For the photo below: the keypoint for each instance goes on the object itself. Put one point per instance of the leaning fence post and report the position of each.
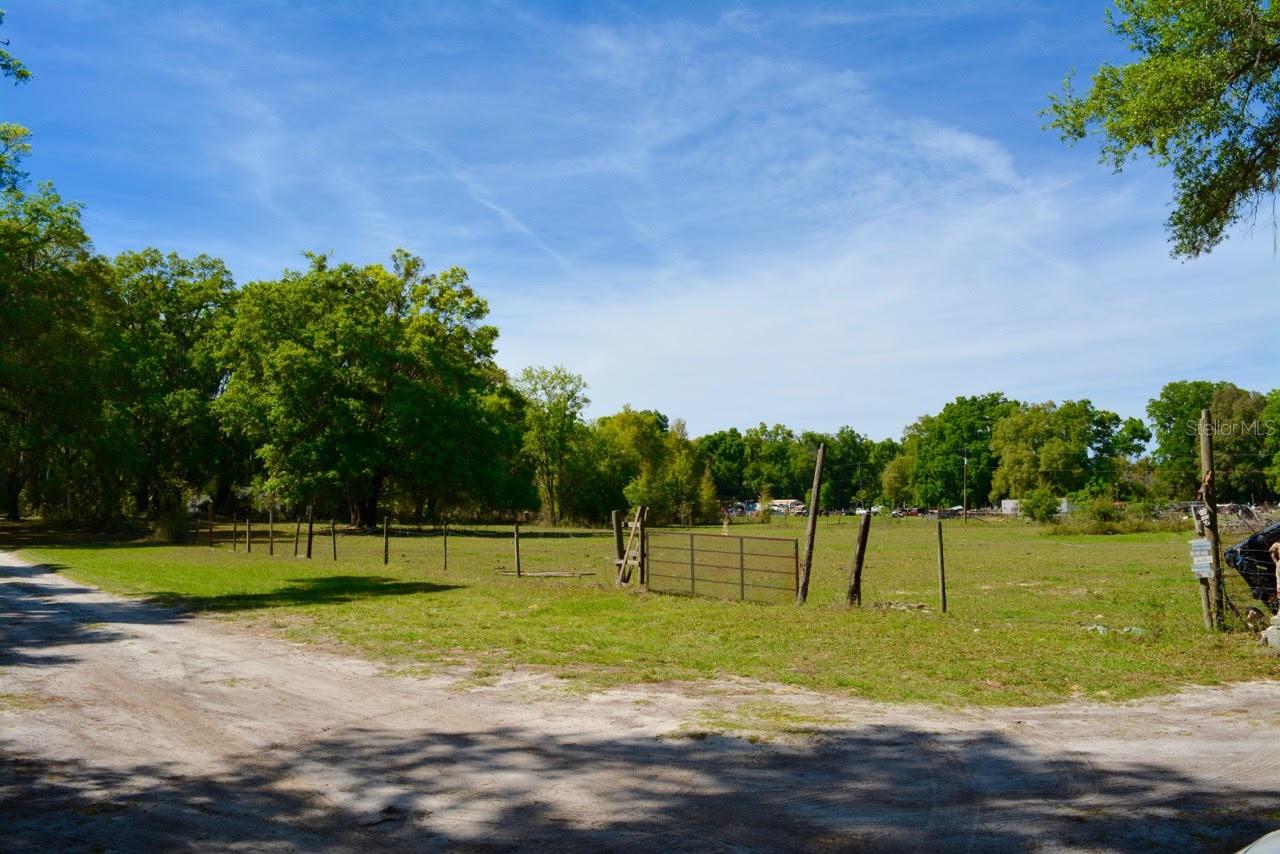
(297, 535)
(516, 539)
(854, 596)
(811, 528)
(310, 530)
(271, 531)
(386, 544)
(333, 537)
(942, 570)
(619, 549)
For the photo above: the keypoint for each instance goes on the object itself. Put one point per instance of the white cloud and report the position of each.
(694, 218)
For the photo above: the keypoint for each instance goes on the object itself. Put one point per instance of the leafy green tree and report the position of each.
(14, 139)
(345, 377)
(554, 400)
(54, 302)
(869, 489)
(168, 309)
(10, 65)
(1201, 97)
(1240, 431)
(725, 453)
(774, 460)
(895, 480)
(1239, 444)
(1063, 448)
(708, 499)
(1270, 429)
(15, 145)
(1040, 504)
(845, 465)
(639, 438)
(1174, 417)
(675, 490)
(942, 442)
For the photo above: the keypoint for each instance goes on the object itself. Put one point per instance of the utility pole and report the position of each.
(1207, 494)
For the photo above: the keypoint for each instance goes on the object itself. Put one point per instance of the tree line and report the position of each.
(140, 386)
(130, 386)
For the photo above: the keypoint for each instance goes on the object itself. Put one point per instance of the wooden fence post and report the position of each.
(446, 546)
(1208, 494)
(643, 563)
(248, 534)
(516, 539)
(333, 537)
(618, 548)
(854, 596)
(693, 572)
(310, 530)
(297, 535)
(210, 524)
(235, 532)
(811, 528)
(386, 544)
(271, 530)
(742, 571)
(942, 570)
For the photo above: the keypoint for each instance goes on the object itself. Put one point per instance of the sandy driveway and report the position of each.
(129, 727)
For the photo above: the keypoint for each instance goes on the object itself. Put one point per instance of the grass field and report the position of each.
(1021, 629)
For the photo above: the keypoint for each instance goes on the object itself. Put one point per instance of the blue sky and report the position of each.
(813, 214)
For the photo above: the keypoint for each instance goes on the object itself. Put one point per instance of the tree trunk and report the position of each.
(13, 495)
(364, 510)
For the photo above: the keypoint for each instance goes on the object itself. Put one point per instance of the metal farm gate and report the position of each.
(756, 569)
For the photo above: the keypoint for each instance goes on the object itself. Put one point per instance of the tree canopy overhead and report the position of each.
(1203, 97)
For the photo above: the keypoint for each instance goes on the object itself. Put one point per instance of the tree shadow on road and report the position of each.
(883, 788)
(322, 590)
(42, 620)
(37, 619)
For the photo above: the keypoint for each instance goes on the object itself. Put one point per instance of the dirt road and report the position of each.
(124, 726)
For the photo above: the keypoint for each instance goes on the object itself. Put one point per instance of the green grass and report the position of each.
(1019, 604)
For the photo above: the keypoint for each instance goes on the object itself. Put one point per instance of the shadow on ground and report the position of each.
(889, 788)
(38, 629)
(324, 590)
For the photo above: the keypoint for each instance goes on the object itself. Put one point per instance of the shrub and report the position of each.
(1103, 516)
(1041, 505)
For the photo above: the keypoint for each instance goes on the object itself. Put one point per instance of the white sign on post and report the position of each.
(1201, 559)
